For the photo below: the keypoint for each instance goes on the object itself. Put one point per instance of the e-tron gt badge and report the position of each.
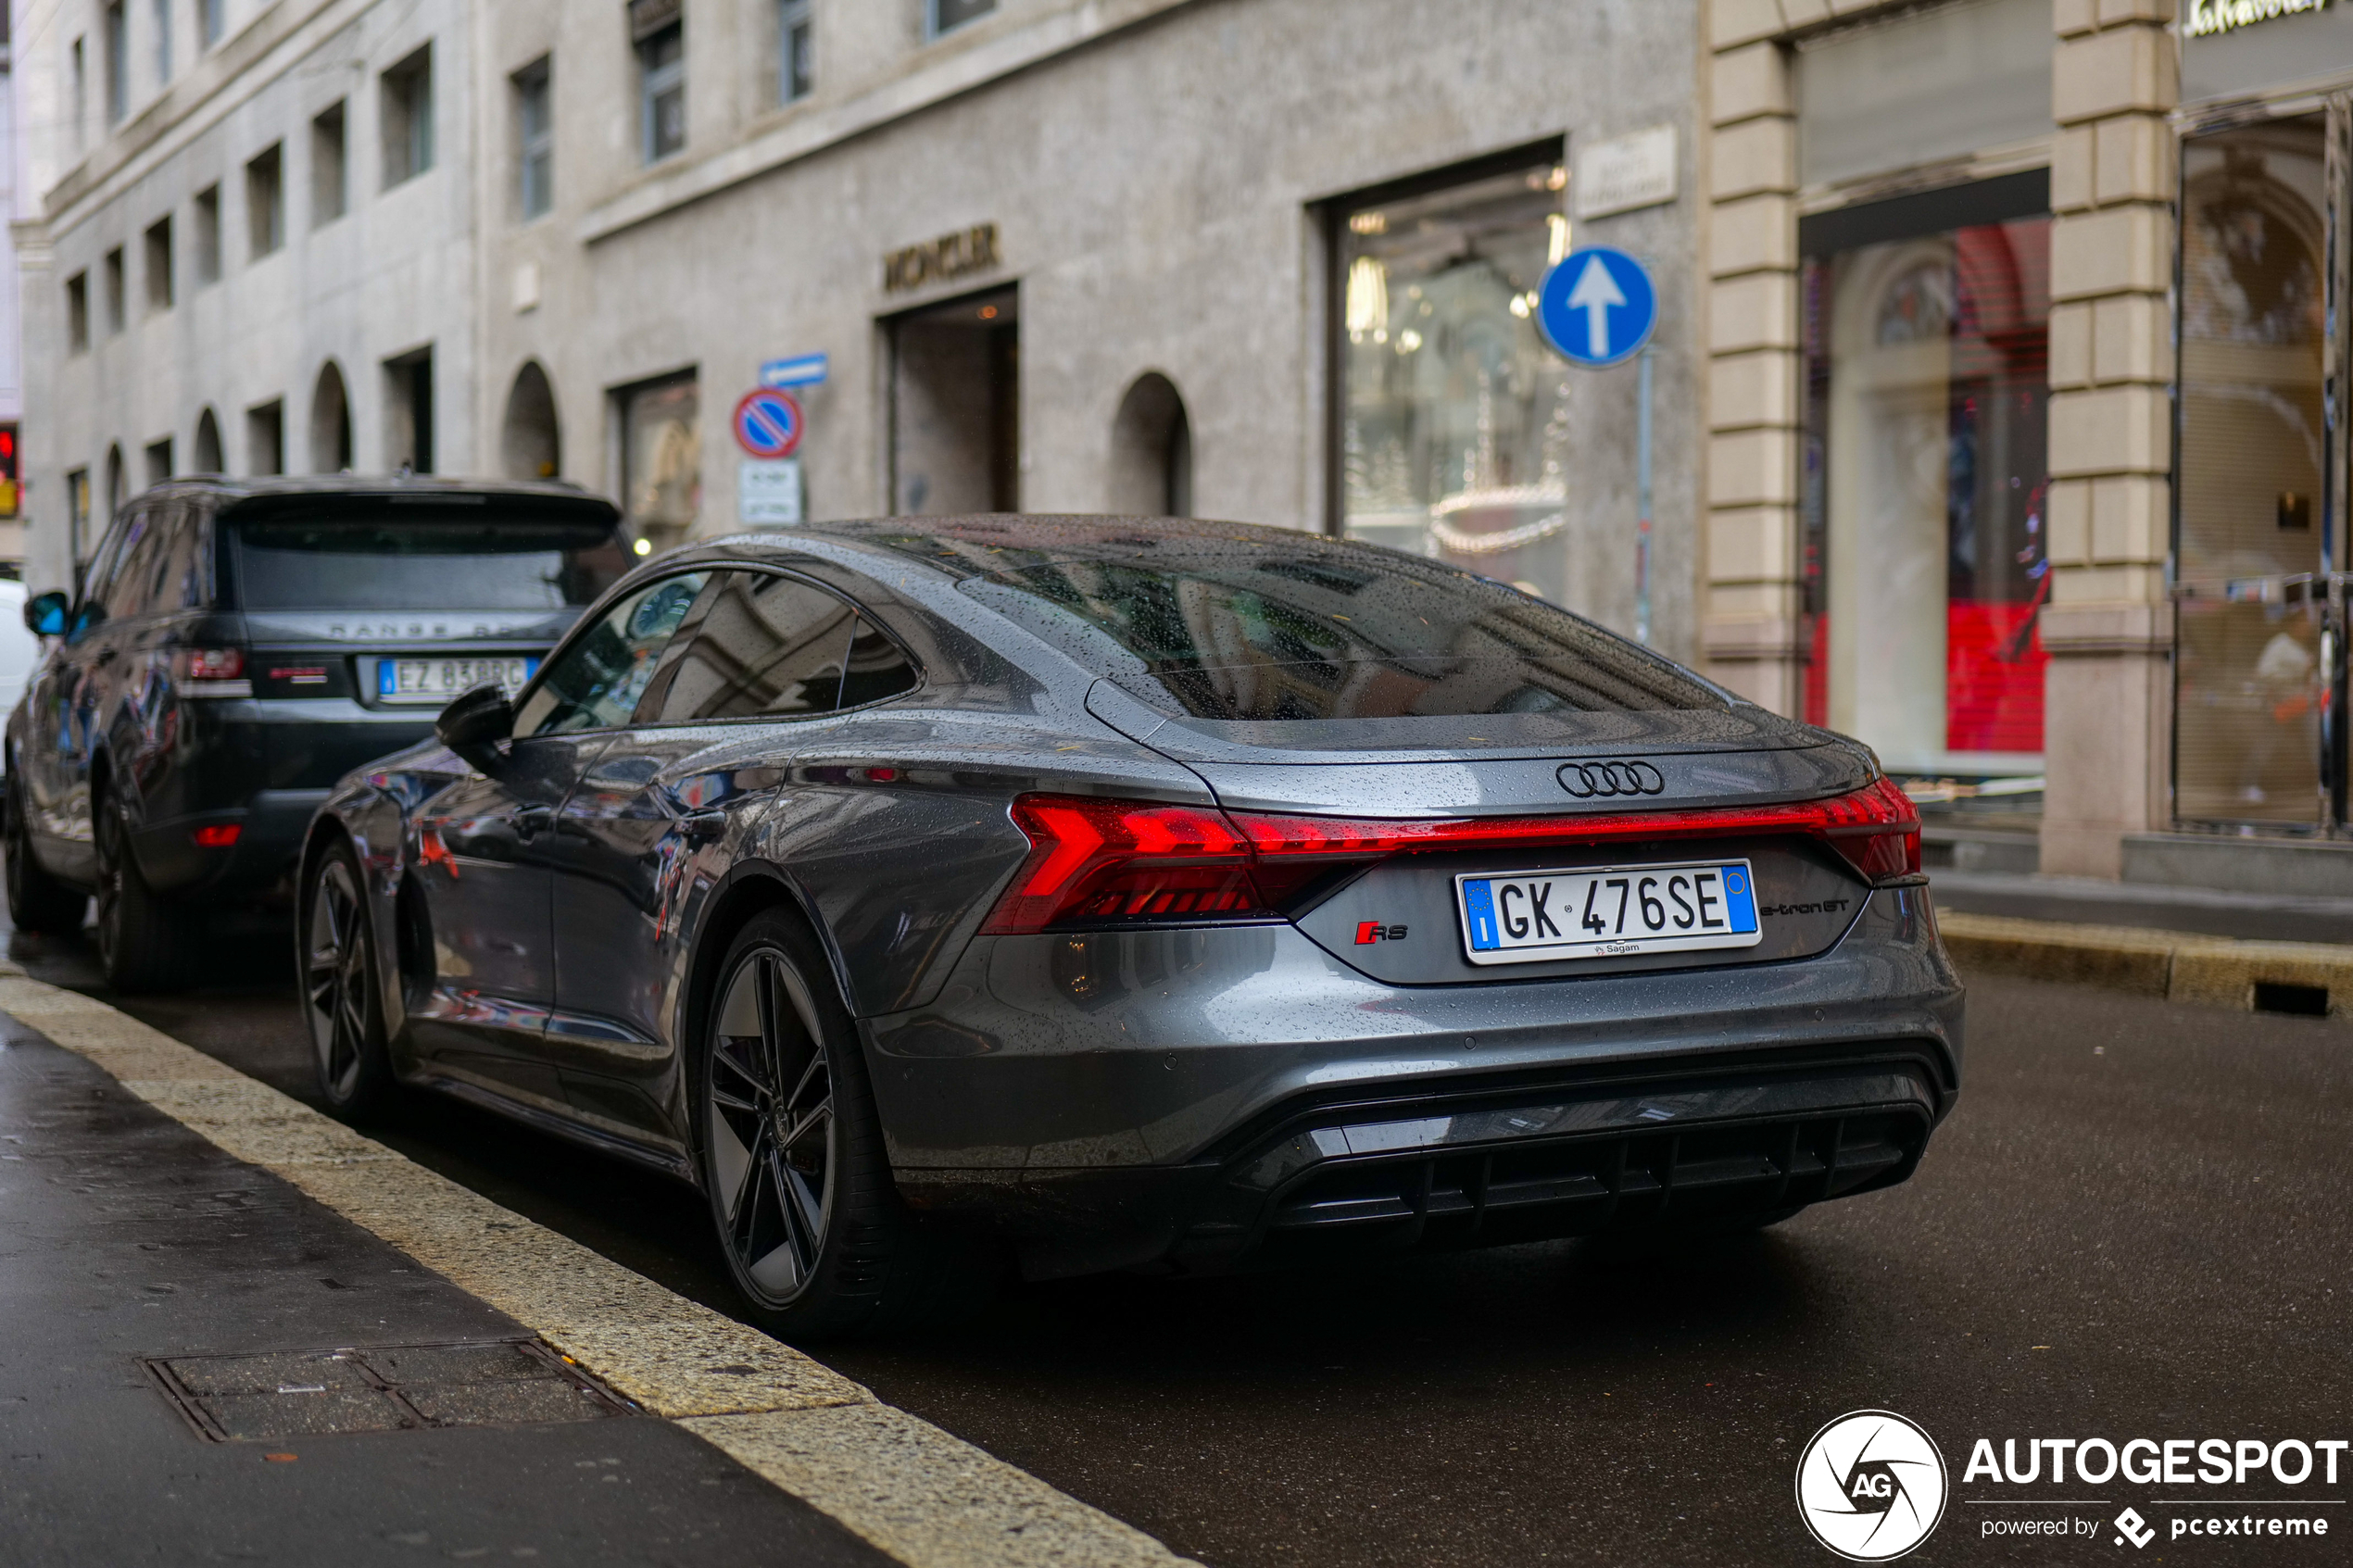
(1590, 781)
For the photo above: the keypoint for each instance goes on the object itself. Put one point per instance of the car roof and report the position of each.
(376, 487)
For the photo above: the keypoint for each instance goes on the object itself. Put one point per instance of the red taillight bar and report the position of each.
(1128, 861)
(1855, 825)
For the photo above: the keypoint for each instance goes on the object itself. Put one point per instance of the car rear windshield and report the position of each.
(453, 558)
(1262, 629)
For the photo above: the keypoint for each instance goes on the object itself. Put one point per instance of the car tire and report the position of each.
(792, 1155)
(37, 902)
(343, 996)
(145, 944)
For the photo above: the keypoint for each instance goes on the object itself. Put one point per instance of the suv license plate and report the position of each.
(438, 680)
(1612, 912)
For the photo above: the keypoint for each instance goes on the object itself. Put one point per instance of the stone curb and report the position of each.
(919, 1493)
(2314, 977)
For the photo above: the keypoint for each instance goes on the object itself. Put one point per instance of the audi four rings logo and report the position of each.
(1588, 780)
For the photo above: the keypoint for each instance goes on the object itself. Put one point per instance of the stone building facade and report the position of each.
(2021, 465)
(1264, 260)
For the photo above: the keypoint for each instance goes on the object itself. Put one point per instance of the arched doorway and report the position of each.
(1152, 451)
(532, 444)
(207, 452)
(330, 423)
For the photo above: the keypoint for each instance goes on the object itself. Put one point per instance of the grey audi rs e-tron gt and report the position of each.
(1135, 892)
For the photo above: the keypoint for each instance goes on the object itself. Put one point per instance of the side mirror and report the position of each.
(475, 723)
(44, 614)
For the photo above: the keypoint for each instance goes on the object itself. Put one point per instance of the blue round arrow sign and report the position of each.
(1597, 306)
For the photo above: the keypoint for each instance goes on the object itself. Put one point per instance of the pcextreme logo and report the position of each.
(1870, 1485)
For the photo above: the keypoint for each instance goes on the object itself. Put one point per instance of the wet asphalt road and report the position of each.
(2136, 1224)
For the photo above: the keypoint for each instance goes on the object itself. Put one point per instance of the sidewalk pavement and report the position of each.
(183, 1249)
(125, 1236)
(2268, 916)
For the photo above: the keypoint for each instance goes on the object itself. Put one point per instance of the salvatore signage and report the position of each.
(2205, 19)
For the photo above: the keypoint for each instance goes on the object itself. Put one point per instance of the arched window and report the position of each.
(1152, 451)
(207, 452)
(330, 423)
(532, 444)
(115, 484)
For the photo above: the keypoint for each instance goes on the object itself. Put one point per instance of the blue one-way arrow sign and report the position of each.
(1597, 306)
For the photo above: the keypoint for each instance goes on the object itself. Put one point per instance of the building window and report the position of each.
(407, 117)
(661, 86)
(159, 455)
(946, 16)
(1452, 412)
(78, 66)
(114, 290)
(208, 208)
(409, 411)
(662, 456)
(158, 265)
(78, 313)
(212, 20)
(328, 184)
(266, 437)
(535, 138)
(118, 63)
(77, 517)
(266, 202)
(796, 50)
(1927, 324)
(2253, 512)
(163, 42)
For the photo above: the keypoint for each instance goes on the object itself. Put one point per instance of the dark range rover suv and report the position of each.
(239, 646)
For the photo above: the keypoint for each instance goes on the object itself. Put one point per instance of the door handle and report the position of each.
(701, 827)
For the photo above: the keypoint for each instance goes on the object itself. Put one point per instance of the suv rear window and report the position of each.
(455, 558)
(1303, 630)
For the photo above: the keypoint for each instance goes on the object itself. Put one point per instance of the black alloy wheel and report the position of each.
(772, 1129)
(143, 944)
(341, 1002)
(37, 902)
(792, 1153)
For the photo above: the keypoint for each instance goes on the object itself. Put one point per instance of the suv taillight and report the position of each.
(1129, 862)
(208, 664)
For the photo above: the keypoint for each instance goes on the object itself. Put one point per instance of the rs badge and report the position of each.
(1372, 931)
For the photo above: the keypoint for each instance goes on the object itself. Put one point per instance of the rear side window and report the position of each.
(753, 644)
(598, 679)
(440, 557)
(1241, 630)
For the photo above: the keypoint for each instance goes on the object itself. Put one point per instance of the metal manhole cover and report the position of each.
(275, 1395)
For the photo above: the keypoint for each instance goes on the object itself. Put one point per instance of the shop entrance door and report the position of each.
(955, 407)
(2255, 498)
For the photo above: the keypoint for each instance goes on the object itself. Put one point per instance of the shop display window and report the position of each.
(1925, 494)
(1451, 409)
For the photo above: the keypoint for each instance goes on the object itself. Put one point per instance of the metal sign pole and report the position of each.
(1643, 502)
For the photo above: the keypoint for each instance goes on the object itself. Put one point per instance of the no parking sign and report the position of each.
(768, 423)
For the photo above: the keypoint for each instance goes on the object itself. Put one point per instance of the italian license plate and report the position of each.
(438, 680)
(1611, 911)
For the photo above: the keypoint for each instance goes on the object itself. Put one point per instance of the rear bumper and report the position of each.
(1217, 1098)
(1484, 1165)
(270, 830)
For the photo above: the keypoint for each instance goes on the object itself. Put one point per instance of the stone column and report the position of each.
(2107, 627)
(1753, 627)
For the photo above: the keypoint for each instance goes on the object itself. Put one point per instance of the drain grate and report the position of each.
(275, 1395)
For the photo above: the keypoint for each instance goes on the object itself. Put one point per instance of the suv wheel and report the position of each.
(792, 1153)
(144, 942)
(37, 902)
(341, 1001)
